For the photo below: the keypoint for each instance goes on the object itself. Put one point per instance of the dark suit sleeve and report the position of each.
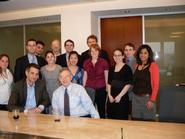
(64, 62)
(14, 100)
(80, 61)
(41, 61)
(58, 60)
(20, 67)
(44, 98)
(17, 71)
(105, 56)
(61, 60)
(84, 56)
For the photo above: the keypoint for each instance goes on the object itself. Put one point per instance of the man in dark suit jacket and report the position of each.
(30, 94)
(63, 59)
(22, 62)
(92, 39)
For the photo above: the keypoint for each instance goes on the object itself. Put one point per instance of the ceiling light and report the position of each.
(174, 36)
(177, 33)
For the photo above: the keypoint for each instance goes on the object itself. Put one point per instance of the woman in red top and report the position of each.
(146, 84)
(96, 77)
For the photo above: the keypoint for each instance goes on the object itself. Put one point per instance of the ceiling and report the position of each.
(12, 5)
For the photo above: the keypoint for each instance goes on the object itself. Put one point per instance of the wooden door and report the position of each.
(115, 32)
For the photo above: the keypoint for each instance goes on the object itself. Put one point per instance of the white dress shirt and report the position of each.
(79, 102)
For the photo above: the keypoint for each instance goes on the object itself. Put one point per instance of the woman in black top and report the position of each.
(145, 85)
(119, 81)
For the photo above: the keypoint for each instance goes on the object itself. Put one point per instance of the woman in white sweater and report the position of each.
(6, 80)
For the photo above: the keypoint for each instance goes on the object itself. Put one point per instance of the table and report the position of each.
(86, 128)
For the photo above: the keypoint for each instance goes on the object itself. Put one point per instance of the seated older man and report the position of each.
(71, 99)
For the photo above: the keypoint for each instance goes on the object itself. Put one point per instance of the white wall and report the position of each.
(76, 25)
(76, 19)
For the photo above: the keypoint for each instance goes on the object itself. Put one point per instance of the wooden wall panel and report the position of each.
(115, 32)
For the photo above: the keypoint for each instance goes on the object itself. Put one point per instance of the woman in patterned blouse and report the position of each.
(76, 71)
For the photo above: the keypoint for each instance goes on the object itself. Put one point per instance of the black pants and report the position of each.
(100, 100)
(3, 107)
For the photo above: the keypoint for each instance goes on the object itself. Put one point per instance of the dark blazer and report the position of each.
(61, 60)
(22, 63)
(19, 95)
(86, 55)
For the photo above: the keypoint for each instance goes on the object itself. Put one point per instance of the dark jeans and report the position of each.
(91, 93)
(100, 100)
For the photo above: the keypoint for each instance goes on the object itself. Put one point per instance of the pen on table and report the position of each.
(121, 133)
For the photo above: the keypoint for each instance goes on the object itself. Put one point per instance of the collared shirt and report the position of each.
(32, 58)
(79, 102)
(30, 100)
(95, 73)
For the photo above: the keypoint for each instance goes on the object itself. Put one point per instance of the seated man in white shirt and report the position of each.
(77, 103)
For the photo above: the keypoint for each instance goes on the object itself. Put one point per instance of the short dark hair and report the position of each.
(148, 48)
(47, 52)
(73, 53)
(130, 45)
(118, 49)
(92, 37)
(30, 40)
(40, 42)
(32, 65)
(69, 40)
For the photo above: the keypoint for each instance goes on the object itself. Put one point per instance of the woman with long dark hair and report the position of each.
(75, 70)
(146, 84)
(6, 80)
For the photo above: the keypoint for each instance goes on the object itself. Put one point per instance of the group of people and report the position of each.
(81, 85)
